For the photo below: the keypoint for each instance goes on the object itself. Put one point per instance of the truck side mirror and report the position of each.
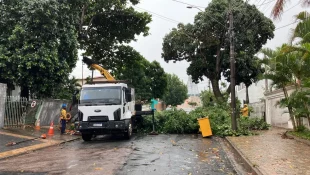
(128, 97)
(128, 94)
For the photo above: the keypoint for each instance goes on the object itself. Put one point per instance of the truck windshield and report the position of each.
(105, 95)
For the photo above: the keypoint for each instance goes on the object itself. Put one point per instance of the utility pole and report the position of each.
(232, 68)
(82, 74)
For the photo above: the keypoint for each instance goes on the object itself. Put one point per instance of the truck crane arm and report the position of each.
(103, 71)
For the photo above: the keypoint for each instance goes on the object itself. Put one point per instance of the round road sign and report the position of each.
(33, 104)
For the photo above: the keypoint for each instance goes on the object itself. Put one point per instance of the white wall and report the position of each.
(256, 91)
(275, 115)
(16, 92)
(2, 105)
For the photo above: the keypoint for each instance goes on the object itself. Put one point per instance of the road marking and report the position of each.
(26, 149)
(16, 135)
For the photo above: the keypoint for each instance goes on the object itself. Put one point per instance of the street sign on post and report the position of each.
(153, 103)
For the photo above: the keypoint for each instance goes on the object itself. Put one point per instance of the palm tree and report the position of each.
(302, 30)
(278, 70)
(279, 7)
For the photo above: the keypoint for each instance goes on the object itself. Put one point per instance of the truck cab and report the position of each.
(106, 108)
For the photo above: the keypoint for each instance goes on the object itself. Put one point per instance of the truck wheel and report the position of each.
(87, 137)
(128, 134)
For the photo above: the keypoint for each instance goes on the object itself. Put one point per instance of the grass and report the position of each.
(301, 134)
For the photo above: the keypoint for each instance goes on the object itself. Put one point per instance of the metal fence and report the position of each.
(15, 111)
(258, 109)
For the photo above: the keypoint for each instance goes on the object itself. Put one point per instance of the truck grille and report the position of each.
(98, 118)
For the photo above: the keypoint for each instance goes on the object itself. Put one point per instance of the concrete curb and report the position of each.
(246, 163)
(24, 150)
(307, 142)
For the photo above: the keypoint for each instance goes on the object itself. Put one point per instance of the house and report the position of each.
(264, 100)
(95, 79)
(187, 106)
(256, 91)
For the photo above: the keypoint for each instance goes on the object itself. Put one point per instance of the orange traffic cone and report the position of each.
(51, 130)
(43, 136)
(37, 125)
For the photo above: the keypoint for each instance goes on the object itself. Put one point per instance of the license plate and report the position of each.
(97, 124)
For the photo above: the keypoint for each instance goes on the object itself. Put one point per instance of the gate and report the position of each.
(15, 111)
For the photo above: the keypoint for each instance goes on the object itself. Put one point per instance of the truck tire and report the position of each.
(128, 134)
(87, 137)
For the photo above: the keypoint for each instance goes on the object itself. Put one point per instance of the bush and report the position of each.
(179, 122)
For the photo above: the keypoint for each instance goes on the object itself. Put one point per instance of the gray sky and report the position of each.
(166, 14)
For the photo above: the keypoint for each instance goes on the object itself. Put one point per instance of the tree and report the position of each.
(302, 30)
(67, 89)
(176, 91)
(38, 44)
(281, 69)
(148, 78)
(205, 43)
(279, 7)
(39, 39)
(105, 26)
(250, 69)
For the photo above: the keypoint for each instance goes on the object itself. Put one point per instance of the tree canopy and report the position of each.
(106, 25)
(38, 44)
(205, 43)
(176, 91)
(39, 39)
(148, 78)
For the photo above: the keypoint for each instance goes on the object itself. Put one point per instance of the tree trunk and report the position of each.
(216, 90)
(290, 109)
(266, 85)
(24, 92)
(247, 100)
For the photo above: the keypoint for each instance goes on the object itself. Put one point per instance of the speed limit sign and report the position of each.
(33, 104)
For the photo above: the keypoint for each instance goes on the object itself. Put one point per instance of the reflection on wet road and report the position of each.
(160, 155)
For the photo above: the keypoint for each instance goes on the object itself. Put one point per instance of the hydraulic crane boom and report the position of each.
(103, 72)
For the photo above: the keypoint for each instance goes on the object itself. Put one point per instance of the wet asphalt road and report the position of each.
(151, 155)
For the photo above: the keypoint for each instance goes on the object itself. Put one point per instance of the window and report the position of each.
(103, 94)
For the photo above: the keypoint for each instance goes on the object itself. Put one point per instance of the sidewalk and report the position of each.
(28, 140)
(272, 154)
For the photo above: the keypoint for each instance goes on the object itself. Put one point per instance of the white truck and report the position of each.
(107, 107)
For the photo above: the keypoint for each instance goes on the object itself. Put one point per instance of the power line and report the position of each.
(174, 21)
(292, 7)
(282, 13)
(266, 3)
(188, 4)
(286, 25)
(160, 16)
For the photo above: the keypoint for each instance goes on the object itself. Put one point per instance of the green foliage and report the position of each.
(304, 134)
(107, 27)
(178, 121)
(67, 89)
(205, 45)
(171, 121)
(246, 123)
(39, 39)
(38, 44)
(207, 98)
(148, 78)
(192, 103)
(176, 91)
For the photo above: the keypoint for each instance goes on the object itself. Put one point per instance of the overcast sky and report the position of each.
(167, 13)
